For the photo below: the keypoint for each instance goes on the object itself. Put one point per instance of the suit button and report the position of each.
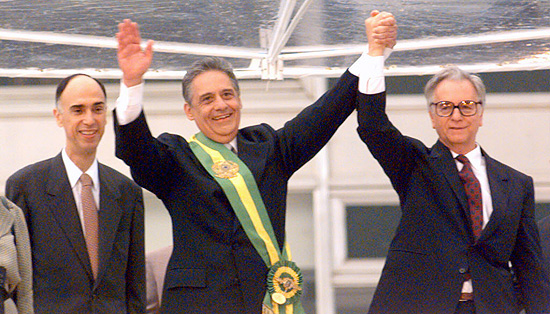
(462, 270)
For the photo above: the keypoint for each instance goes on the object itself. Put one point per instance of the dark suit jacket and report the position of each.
(62, 274)
(544, 229)
(434, 245)
(214, 268)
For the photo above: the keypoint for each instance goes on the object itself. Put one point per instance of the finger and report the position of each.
(383, 15)
(125, 26)
(388, 21)
(385, 29)
(149, 49)
(128, 29)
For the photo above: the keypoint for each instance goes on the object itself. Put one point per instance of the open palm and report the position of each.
(132, 59)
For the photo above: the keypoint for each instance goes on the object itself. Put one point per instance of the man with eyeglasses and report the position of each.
(467, 241)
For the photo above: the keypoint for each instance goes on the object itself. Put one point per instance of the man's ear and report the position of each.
(481, 116)
(58, 117)
(188, 112)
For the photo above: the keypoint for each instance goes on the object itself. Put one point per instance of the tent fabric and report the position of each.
(273, 39)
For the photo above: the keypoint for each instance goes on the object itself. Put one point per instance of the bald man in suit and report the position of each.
(87, 251)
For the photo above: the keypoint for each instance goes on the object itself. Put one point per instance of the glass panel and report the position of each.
(242, 24)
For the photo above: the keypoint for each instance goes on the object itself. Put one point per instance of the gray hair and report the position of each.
(205, 65)
(456, 74)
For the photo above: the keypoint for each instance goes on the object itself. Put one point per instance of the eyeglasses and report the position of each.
(466, 107)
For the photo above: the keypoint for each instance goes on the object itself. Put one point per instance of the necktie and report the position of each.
(232, 149)
(90, 221)
(473, 192)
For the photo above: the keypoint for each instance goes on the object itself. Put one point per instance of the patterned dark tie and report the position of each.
(90, 221)
(473, 192)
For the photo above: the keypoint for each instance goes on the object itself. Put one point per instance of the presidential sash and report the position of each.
(284, 279)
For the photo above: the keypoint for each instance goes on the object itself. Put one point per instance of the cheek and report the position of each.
(433, 120)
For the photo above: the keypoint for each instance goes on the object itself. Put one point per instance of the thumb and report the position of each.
(149, 49)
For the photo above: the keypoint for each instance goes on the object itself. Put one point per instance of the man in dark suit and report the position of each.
(452, 252)
(87, 249)
(220, 261)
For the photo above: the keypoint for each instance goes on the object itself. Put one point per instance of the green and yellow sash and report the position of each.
(284, 280)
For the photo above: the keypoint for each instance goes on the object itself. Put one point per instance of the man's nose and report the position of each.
(88, 117)
(219, 103)
(456, 114)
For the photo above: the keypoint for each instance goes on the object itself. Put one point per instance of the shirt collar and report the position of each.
(233, 144)
(474, 156)
(74, 173)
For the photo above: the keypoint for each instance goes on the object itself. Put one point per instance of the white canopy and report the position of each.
(272, 39)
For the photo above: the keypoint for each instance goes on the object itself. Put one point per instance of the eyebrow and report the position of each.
(83, 105)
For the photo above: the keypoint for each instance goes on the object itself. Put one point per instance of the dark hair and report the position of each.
(64, 82)
(205, 65)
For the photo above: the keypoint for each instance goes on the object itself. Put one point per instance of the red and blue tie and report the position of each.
(473, 192)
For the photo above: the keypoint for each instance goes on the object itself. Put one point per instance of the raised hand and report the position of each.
(381, 29)
(132, 59)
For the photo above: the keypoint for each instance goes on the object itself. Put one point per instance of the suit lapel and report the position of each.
(453, 199)
(63, 207)
(498, 182)
(252, 154)
(445, 164)
(109, 217)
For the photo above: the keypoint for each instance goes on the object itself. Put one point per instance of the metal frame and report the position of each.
(269, 64)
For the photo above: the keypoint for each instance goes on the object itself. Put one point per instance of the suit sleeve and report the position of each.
(149, 160)
(135, 276)
(528, 261)
(304, 136)
(385, 142)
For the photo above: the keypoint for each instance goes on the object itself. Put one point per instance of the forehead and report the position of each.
(210, 82)
(455, 90)
(82, 90)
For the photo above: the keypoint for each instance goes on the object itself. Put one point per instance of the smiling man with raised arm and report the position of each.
(225, 188)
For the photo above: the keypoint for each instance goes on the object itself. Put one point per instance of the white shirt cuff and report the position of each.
(370, 71)
(129, 103)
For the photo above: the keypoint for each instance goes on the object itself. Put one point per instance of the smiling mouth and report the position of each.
(225, 116)
(458, 128)
(88, 133)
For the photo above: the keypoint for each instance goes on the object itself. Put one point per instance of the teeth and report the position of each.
(87, 132)
(222, 117)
